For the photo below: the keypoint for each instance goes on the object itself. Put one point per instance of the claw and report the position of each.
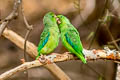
(50, 58)
(42, 59)
(46, 59)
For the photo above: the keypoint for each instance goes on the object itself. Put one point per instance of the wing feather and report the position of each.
(72, 37)
(43, 39)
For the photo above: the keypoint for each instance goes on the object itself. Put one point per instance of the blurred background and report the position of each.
(84, 15)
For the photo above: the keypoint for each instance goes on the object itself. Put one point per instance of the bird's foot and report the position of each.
(46, 59)
(42, 59)
(50, 58)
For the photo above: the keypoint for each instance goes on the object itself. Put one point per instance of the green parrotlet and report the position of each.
(49, 38)
(70, 37)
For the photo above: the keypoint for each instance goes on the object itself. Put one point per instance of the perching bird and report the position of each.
(49, 38)
(70, 37)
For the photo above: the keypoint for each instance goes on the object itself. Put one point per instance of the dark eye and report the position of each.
(45, 24)
(52, 16)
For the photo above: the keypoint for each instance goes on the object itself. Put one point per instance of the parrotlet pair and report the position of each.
(49, 38)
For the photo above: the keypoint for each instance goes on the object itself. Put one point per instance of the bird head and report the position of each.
(62, 19)
(49, 18)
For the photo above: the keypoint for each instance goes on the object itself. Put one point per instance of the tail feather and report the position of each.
(80, 56)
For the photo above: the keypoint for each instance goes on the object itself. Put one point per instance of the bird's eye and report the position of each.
(45, 24)
(53, 16)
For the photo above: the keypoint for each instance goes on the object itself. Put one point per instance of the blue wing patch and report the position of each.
(68, 40)
(46, 39)
(42, 44)
(75, 47)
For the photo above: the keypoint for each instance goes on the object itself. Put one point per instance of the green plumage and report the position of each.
(49, 38)
(70, 37)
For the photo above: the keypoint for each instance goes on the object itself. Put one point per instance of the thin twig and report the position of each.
(98, 24)
(10, 17)
(117, 40)
(106, 25)
(96, 30)
(29, 29)
(110, 34)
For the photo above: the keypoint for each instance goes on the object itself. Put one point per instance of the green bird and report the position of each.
(70, 37)
(49, 38)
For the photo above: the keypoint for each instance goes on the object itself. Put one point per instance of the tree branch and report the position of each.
(31, 49)
(12, 15)
(117, 40)
(19, 41)
(22, 67)
(89, 54)
(29, 29)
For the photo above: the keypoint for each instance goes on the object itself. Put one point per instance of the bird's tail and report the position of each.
(80, 56)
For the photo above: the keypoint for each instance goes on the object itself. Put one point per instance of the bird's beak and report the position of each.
(57, 19)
